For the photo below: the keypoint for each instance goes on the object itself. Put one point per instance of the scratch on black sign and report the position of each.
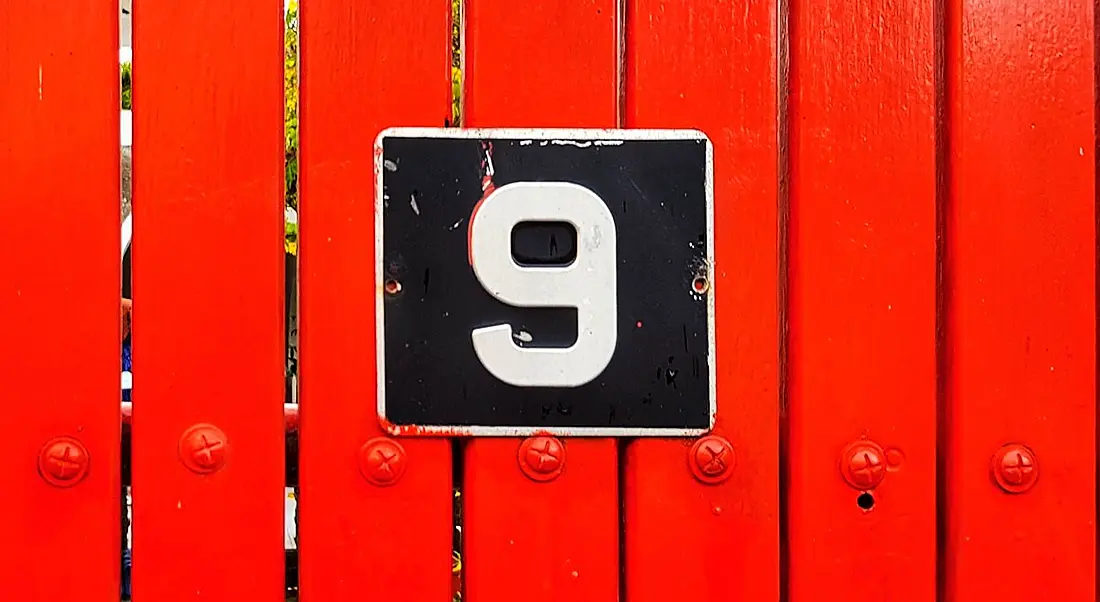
(487, 188)
(487, 170)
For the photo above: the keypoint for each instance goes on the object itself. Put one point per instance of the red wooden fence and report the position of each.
(906, 263)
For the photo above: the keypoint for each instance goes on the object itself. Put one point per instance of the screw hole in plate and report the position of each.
(866, 501)
(392, 287)
(700, 285)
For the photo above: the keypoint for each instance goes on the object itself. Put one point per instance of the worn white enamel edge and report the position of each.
(564, 135)
(379, 284)
(712, 349)
(582, 134)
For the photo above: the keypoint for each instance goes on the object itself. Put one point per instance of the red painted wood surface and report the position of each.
(1015, 181)
(59, 296)
(551, 64)
(862, 298)
(686, 540)
(365, 66)
(290, 415)
(1021, 299)
(208, 268)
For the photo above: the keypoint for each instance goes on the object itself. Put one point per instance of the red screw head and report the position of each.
(863, 465)
(382, 461)
(542, 458)
(203, 448)
(1015, 468)
(712, 459)
(63, 461)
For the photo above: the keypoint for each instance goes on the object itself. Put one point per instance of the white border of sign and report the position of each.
(560, 136)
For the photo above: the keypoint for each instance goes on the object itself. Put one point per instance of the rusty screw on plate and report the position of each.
(542, 458)
(712, 459)
(63, 461)
(382, 461)
(203, 448)
(1015, 468)
(863, 465)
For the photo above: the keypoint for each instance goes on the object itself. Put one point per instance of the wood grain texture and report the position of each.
(208, 268)
(1021, 299)
(732, 43)
(365, 66)
(551, 64)
(59, 296)
(862, 298)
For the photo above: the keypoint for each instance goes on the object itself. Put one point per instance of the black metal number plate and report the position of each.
(545, 281)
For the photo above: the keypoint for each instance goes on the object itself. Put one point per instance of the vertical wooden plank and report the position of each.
(731, 42)
(208, 287)
(862, 300)
(1021, 283)
(552, 63)
(365, 66)
(59, 296)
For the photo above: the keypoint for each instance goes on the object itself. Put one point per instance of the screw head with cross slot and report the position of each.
(63, 461)
(1015, 468)
(542, 458)
(863, 465)
(382, 461)
(712, 459)
(203, 448)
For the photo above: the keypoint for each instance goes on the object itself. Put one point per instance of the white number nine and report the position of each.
(587, 284)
